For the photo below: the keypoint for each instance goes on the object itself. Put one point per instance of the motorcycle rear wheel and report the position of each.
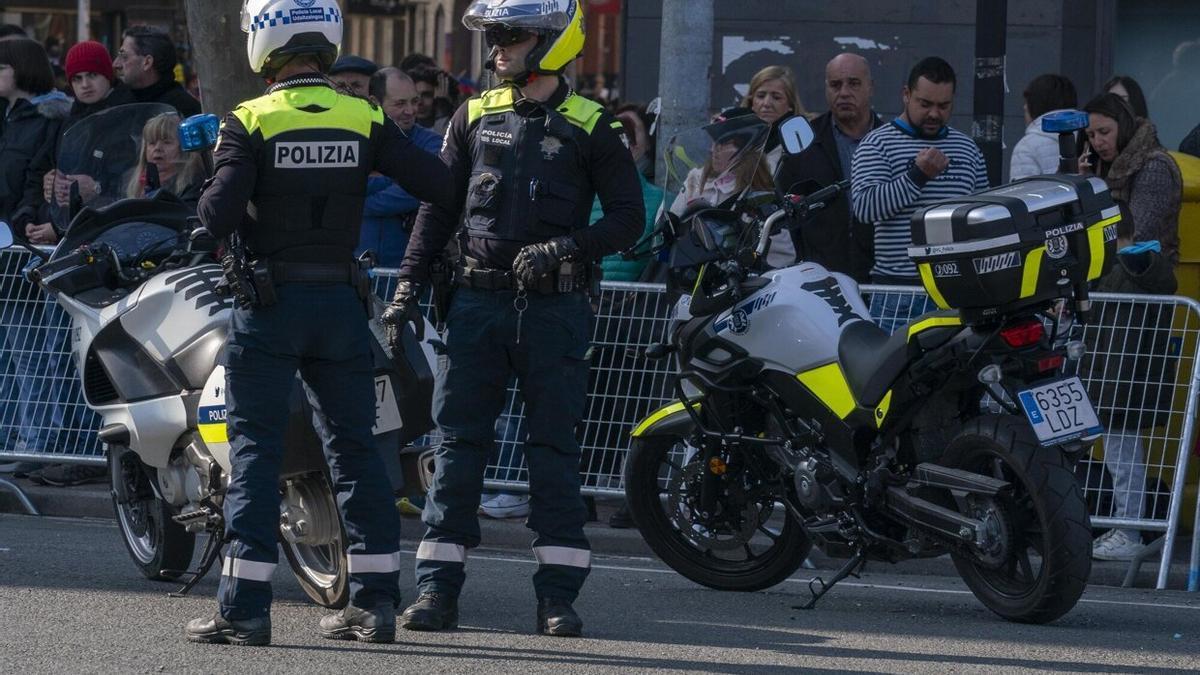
(649, 463)
(1048, 556)
(318, 560)
(160, 548)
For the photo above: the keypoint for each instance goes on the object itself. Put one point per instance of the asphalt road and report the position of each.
(71, 601)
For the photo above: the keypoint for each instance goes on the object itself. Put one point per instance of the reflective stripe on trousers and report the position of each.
(250, 570)
(380, 563)
(563, 555)
(442, 552)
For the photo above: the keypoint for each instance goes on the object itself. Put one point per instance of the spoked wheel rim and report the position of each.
(1018, 569)
(743, 532)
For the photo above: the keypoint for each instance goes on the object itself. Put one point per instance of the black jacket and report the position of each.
(29, 138)
(833, 238)
(171, 93)
(286, 187)
(606, 170)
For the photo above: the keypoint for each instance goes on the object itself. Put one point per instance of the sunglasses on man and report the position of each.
(505, 36)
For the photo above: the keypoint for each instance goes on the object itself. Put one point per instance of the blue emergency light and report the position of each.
(1064, 121)
(199, 132)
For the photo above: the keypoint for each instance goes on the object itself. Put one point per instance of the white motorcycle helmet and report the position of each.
(558, 25)
(279, 30)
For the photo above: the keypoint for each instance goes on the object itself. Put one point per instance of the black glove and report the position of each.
(537, 260)
(403, 308)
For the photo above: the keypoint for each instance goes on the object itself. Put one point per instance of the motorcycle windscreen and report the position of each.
(100, 155)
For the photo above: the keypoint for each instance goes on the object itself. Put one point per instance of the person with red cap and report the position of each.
(90, 74)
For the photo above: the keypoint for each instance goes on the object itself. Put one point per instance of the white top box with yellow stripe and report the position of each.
(1021, 244)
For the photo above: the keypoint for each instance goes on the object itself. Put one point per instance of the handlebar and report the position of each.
(798, 207)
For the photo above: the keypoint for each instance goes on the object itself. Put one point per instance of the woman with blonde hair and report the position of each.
(772, 95)
(175, 173)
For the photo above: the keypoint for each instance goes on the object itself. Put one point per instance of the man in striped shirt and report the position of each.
(904, 166)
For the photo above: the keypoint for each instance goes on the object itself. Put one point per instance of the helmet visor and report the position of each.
(500, 35)
(532, 15)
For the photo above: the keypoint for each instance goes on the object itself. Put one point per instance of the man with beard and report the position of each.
(905, 166)
(833, 237)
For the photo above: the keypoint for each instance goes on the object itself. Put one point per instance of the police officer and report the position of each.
(527, 159)
(291, 170)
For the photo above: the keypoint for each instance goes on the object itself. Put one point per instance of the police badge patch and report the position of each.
(550, 147)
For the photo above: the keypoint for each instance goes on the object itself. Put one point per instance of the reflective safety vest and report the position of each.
(529, 179)
(314, 153)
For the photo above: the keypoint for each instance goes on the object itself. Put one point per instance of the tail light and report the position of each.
(1053, 362)
(1023, 334)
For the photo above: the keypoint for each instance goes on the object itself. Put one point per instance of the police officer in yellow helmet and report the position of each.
(527, 158)
(291, 171)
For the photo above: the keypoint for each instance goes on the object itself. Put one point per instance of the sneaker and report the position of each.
(63, 475)
(1116, 545)
(411, 506)
(505, 506)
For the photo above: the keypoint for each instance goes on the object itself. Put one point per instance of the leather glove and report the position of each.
(404, 308)
(537, 260)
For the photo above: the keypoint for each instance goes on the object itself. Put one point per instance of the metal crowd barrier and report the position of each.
(42, 415)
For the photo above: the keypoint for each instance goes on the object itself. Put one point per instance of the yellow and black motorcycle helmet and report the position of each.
(557, 23)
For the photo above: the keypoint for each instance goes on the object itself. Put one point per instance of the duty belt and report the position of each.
(505, 280)
(316, 273)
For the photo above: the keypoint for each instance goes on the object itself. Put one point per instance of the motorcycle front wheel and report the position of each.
(1042, 557)
(314, 539)
(747, 543)
(160, 548)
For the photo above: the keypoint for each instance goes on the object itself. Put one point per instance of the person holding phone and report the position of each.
(1123, 149)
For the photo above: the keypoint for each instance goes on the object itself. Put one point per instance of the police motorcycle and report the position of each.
(797, 421)
(149, 319)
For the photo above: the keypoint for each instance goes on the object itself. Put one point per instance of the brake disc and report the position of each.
(730, 527)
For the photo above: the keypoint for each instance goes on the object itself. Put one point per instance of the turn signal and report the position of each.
(1023, 334)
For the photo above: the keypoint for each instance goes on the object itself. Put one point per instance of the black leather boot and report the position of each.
(431, 611)
(219, 630)
(557, 617)
(364, 625)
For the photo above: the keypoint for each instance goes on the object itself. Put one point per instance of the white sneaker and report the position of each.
(1116, 545)
(505, 506)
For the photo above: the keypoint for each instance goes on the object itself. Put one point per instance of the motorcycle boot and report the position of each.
(219, 630)
(557, 617)
(431, 611)
(364, 625)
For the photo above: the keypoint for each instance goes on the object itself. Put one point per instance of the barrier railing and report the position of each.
(1141, 369)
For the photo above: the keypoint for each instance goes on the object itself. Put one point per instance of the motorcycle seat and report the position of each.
(871, 360)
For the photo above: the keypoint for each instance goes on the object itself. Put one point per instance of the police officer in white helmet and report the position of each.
(290, 173)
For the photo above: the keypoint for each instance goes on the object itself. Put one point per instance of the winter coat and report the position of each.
(1036, 153)
(1131, 362)
(832, 237)
(389, 211)
(171, 93)
(1146, 178)
(27, 142)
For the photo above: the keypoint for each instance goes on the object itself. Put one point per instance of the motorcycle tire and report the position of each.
(1047, 513)
(648, 508)
(160, 548)
(322, 568)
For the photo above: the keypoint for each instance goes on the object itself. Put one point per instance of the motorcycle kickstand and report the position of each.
(212, 551)
(852, 568)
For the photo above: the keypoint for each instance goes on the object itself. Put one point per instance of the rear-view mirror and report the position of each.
(796, 134)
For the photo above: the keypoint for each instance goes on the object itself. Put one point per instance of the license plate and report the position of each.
(1060, 411)
(387, 412)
